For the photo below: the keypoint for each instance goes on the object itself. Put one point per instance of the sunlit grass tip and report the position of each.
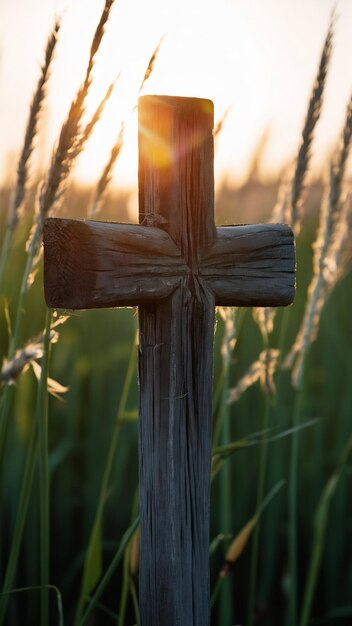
(312, 117)
(327, 248)
(69, 144)
(31, 132)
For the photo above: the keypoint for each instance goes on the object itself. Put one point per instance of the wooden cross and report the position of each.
(176, 266)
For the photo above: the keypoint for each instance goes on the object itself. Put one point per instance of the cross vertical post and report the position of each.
(176, 192)
(176, 266)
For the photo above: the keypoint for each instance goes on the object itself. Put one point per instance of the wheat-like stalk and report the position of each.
(264, 316)
(288, 208)
(32, 129)
(328, 249)
(69, 143)
(331, 214)
(12, 368)
(32, 350)
(312, 117)
(262, 369)
(220, 124)
(151, 64)
(89, 127)
(106, 174)
(338, 171)
(227, 314)
(31, 132)
(281, 212)
(339, 255)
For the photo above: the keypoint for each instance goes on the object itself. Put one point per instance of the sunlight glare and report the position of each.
(258, 58)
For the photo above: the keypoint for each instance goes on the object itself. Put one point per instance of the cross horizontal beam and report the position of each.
(98, 264)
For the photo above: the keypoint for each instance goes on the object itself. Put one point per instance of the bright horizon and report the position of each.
(256, 58)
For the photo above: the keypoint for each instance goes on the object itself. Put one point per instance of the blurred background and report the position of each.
(256, 60)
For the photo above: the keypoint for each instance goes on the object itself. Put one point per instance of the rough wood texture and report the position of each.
(175, 360)
(176, 266)
(96, 264)
(251, 265)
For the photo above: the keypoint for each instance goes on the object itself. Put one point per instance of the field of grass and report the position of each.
(281, 512)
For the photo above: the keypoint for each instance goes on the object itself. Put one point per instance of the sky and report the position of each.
(257, 58)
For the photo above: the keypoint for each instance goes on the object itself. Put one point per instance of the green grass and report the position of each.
(91, 467)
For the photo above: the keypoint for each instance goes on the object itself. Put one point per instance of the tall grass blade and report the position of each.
(25, 492)
(24, 498)
(240, 541)
(130, 565)
(44, 482)
(93, 560)
(109, 572)
(57, 592)
(320, 527)
(260, 491)
(330, 215)
(226, 608)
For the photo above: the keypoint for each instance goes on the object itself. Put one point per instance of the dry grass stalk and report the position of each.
(220, 124)
(269, 367)
(28, 146)
(88, 129)
(28, 356)
(106, 175)
(53, 386)
(264, 317)
(281, 213)
(32, 130)
(151, 64)
(339, 257)
(33, 350)
(338, 171)
(228, 315)
(288, 208)
(69, 143)
(312, 117)
(237, 546)
(329, 248)
(262, 369)
(134, 552)
(98, 36)
(240, 541)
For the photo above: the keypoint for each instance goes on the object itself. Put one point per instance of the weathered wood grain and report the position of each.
(95, 264)
(175, 361)
(175, 372)
(176, 266)
(251, 265)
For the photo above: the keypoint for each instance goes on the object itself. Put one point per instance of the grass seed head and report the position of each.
(68, 147)
(312, 117)
(32, 131)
